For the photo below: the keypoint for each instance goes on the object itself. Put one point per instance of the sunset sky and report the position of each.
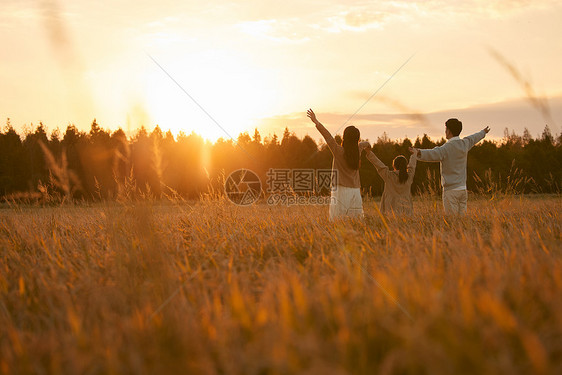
(256, 63)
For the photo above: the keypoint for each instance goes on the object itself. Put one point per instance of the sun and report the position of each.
(215, 94)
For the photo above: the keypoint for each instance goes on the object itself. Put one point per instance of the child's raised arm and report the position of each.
(413, 160)
(381, 168)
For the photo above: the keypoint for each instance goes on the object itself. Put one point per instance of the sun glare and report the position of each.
(220, 95)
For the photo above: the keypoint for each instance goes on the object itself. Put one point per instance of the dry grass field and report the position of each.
(212, 288)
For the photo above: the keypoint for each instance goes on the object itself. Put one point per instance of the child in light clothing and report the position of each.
(396, 196)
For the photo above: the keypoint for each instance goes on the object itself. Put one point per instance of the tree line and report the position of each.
(101, 164)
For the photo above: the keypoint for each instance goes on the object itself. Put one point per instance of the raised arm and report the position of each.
(330, 141)
(413, 162)
(382, 169)
(476, 137)
(364, 145)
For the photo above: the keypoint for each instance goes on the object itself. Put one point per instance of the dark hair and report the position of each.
(401, 165)
(351, 146)
(454, 126)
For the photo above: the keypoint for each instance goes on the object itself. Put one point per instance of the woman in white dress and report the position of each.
(346, 186)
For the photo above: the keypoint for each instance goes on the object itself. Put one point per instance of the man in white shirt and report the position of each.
(452, 155)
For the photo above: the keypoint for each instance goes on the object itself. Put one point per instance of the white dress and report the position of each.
(345, 202)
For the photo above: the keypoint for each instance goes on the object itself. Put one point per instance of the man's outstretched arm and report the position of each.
(476, 137)
(434, 154)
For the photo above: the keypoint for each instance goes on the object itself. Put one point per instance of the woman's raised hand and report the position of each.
(364, 146)
(311, 115)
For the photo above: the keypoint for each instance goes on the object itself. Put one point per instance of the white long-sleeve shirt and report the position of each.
(452, 156)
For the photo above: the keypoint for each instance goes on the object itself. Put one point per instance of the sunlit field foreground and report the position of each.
(212, 288)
